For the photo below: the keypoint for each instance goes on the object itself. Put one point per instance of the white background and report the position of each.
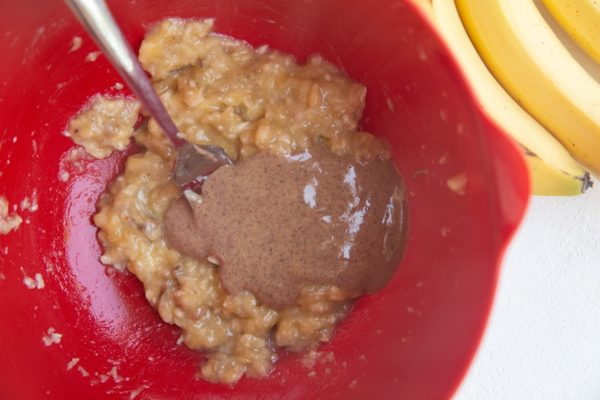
(543, 337)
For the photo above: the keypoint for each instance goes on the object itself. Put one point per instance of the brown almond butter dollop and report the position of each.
(278, 223)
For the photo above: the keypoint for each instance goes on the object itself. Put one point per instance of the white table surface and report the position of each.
(543, 337)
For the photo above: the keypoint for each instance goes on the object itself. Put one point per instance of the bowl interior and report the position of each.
(413, 340)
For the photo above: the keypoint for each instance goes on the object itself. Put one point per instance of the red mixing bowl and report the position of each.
(413, 340)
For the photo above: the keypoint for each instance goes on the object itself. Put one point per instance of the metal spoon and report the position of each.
(194, 162)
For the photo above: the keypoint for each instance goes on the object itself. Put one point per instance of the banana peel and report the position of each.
(581, 20)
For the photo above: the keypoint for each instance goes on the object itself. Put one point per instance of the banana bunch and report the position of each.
(532, 80)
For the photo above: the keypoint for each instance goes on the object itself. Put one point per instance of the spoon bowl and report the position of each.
(193, 162)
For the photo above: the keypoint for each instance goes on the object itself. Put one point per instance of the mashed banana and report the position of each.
(105, 125)
(222, 91)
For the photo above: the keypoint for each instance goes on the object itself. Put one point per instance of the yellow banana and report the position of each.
(541, 68)
(550, 180)
(552, 169)
(581, 20)
(425, 4)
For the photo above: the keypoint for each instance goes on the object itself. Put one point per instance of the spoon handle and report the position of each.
(97, 19)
